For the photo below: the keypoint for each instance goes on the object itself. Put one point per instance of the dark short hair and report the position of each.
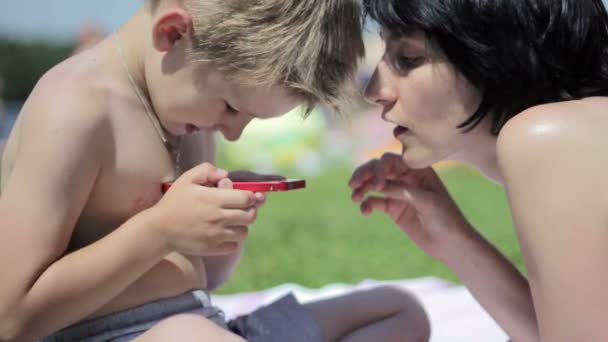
(518, 53)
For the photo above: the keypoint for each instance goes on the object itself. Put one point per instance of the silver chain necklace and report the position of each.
(174, 151)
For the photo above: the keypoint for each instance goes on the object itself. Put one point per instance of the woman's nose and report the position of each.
(379, 89)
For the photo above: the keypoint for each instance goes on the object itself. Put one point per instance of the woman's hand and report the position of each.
(416, 200)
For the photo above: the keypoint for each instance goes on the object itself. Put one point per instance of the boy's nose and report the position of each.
(379, 89)
(236, 129)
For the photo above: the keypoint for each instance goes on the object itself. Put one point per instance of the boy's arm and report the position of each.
(220, 268)
(199, 148)
(42, 289)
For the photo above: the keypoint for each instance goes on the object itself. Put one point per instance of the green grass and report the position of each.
(317, 236)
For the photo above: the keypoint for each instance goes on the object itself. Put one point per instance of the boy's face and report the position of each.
(190, 96)
(197, 98)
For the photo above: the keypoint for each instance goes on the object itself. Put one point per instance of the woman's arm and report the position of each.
(422, 207)
(555, 167)
(496, 284)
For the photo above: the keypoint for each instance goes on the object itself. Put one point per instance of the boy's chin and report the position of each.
(230, 137)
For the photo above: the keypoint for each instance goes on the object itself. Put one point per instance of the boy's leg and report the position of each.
(187, 328)
(379, 314)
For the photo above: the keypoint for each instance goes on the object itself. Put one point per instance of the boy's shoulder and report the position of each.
(65, 97)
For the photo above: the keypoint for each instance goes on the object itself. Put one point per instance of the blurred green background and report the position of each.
(316, 236)
(22, 63)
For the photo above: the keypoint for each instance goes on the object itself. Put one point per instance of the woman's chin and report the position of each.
(416, 160)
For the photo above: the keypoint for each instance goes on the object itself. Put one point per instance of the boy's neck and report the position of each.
(133, 40)
(133, 43)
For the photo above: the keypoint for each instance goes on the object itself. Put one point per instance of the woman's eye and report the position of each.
(407, 63)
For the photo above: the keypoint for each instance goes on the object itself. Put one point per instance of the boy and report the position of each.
(99, 245)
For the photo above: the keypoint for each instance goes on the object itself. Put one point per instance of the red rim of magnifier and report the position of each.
(284, 185)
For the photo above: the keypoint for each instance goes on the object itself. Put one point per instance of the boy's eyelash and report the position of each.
(230, 109)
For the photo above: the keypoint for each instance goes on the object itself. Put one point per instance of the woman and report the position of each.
(519, 90)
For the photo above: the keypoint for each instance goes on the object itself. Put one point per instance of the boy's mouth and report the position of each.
(190, 128)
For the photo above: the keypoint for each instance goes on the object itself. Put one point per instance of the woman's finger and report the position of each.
(374, 203)
(362, 174)
(358, 194)
(416, 196)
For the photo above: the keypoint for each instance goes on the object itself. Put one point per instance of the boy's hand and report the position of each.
(415, 199)
(202, 215)
(249, 176)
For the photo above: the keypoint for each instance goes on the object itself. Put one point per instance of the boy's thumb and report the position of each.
(224, 183)
(204, 174)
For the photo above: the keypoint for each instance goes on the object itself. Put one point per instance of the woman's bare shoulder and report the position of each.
(573, 128)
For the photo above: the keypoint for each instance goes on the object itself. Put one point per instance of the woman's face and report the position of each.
(426, 99)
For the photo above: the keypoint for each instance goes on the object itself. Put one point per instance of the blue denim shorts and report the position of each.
(283, 320)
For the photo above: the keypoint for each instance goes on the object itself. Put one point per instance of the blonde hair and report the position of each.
(313, 47)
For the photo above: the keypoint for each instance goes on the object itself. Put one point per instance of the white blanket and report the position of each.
(454, 313)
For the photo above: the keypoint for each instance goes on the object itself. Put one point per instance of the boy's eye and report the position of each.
(230, 109)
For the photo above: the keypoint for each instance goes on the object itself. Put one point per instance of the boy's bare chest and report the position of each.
(129, 182)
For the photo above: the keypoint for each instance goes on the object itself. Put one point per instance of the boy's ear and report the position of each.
(170, 26)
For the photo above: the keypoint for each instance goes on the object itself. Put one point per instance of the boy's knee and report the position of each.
(397, 296)
(190, 327)
(410, 311)
(182, 320)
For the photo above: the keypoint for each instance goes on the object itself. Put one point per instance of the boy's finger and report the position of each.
(224, 248)
(204, 173)
(260, 198)
(229, 198)
(225, 183)
(236, 217)
(236, 233)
